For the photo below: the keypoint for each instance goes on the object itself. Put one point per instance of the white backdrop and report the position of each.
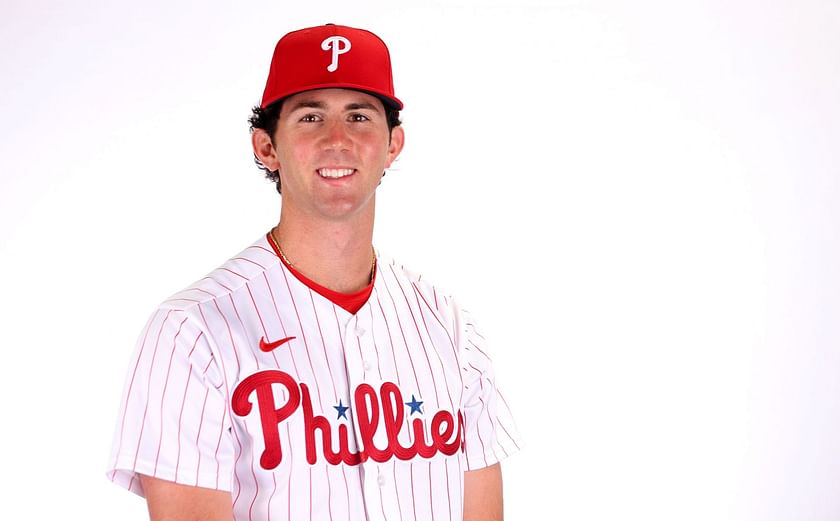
(637, 199)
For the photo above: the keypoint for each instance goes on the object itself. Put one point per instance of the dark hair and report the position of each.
(266, 119)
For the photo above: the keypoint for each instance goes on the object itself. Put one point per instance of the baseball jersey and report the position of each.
(250, 382)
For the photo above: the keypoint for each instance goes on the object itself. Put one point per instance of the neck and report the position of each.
(336, 254)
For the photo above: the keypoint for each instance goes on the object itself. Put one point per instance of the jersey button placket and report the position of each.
(359, 330)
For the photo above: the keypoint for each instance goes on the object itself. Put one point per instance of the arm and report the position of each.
(170, 501)
(483, 494)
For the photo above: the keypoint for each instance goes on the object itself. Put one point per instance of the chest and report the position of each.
(305, 376)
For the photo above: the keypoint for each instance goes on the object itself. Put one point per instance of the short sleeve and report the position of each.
(174, 421)
(490, 433)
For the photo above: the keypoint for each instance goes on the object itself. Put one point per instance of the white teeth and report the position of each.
(334, 173)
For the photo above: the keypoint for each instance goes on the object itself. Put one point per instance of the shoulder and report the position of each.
(231, 277)
(397, 277)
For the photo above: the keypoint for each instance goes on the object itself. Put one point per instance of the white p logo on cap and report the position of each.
(339, 45)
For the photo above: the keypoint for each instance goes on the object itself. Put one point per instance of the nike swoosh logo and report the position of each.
(270, 346)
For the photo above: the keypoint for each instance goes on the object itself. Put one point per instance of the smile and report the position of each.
(335, 173)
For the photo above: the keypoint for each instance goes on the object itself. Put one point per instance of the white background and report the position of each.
(638, 200)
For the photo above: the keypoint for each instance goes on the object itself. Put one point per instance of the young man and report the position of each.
(309, 378)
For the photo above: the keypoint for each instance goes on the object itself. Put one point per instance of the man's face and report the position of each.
(331, 147)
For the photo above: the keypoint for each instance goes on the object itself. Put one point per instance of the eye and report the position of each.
(358, 117)
(310, 118)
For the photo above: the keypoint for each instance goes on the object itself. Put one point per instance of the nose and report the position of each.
(336, 136)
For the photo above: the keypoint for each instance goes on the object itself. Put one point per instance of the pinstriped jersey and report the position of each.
(250, 382)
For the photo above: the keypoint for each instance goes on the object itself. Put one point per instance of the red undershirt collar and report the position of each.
(351, 302)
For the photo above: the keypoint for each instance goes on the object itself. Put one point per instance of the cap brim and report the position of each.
(389, 101)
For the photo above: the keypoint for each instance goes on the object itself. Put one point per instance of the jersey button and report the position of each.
(360, 331)
(381, 480)
(367, 365)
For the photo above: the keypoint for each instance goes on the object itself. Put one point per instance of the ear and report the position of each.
(264, 149)
(396, 145)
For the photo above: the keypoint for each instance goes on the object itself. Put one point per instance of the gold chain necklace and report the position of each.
(276, 244)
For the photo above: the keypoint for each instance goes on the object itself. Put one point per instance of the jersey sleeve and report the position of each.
(490, 434)
(174, 422)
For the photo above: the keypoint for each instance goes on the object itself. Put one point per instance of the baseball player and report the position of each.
(310, 377)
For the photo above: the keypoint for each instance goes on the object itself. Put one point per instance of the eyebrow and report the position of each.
(321, 105)
(362, 105)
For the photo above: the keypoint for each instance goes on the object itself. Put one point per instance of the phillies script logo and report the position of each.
(371, 409)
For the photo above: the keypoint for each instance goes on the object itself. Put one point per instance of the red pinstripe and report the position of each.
(255, 263)
(165, 387)
(184, 299)
(282, 325)
(250, 341)
(274, 356)
(382, 504)
(303, 337)
(343, 352)
(405, 345)
(227, 289)
(413, 494)
(448, 494)
(271, 497)
(146, 408)
(402, 332)
(323, 344)
(419, 295)
(477, 426)
(431, 492)
(397, 489)
(198, 437)
(451, 341)
(362, 487)
(291, 469)
(329, 492)
(479, 349)
(346, 489)
(346, 379)
(466, 446)
(259, 316)
(180, 419)
(390, 338)
(375, 343)
(128, 395)
(230, 336)
(183, 402)
(225, 409)
(241, 276)
(435, 351)
(256, 483)
(502, 425)
(238, 366)
(361, 357)
(420, 337)
(204, 290)
(245, 425)
(256, 308)
(492, 423)
(475, 331)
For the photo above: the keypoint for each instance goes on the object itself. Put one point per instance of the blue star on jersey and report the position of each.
(342, 410)
(415, 405)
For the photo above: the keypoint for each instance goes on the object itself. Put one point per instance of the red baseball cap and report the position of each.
(330, 56)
